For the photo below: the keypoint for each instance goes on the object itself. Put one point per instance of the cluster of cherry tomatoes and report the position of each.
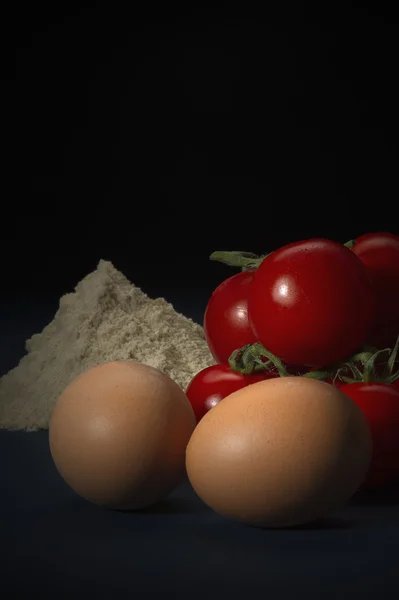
(315, 308)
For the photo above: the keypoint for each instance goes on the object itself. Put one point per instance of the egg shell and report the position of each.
(280, 452)
(118, 434)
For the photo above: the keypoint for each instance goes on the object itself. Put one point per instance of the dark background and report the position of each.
(154, 136)
(151, 135)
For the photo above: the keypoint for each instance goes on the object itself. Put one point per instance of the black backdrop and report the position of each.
(152, 137)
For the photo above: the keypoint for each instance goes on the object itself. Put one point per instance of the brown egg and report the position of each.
(118, 435)
(280, 453)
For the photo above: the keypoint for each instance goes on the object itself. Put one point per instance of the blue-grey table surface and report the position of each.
(54, 544)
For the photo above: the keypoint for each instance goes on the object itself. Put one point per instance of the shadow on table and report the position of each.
(179, 506)
(173, 506)
(328, 523)
(384, 496)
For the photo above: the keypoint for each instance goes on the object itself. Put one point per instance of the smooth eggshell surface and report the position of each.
(118, 434)
(280, 453)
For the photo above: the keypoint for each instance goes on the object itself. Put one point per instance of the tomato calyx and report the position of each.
(244, 260)
(361, 367)
(255, 358)
(364, 366)
(248, 260)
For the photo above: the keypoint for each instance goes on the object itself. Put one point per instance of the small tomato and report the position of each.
(379, 252)
(216, 382)
(380, 405)
(311, 303)
(226, 324)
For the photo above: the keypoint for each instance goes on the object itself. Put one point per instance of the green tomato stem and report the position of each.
(244, 260)
(248, 360)
(392, 358)
(319, 374)
(260, 352)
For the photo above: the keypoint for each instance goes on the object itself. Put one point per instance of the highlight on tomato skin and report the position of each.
(216, 382)
(379, 252)
(226, 324)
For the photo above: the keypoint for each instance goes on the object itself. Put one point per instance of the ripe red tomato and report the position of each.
(226, 324)
(379, 252)
(380, 405)
(214, 383)
(311, 303)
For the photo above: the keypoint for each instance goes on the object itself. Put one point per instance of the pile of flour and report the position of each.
(106, 318)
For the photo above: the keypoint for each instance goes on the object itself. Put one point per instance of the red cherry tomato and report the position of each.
(226, 324)
(214, 383)
(311, 303)
(380, 405)
(379, 252)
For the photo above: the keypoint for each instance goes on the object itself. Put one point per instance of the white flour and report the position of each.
(106, 318)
